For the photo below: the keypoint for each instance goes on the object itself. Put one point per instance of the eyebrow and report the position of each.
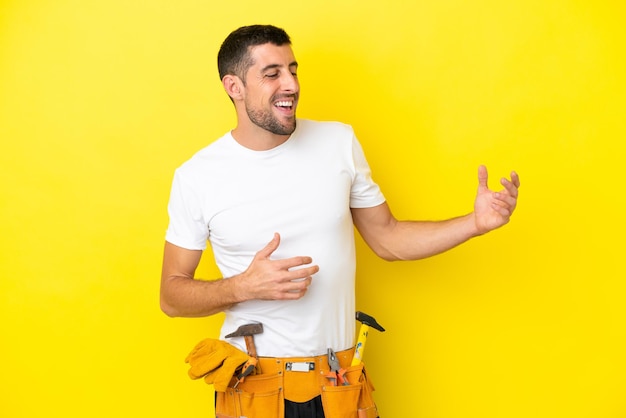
(273, 66)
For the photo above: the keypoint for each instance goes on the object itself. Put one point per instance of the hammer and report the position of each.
(366, 322)
(247, 332)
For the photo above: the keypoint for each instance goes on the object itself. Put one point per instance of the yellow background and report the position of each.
(101, 100)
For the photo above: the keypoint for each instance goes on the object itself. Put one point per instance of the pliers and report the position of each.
(336, 374)
(246, 369)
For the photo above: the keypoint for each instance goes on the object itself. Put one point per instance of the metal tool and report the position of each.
(246, 370)
(248, 332)
(366, 322)
(336, 374)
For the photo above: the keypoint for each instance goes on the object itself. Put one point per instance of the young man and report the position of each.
(277, 197)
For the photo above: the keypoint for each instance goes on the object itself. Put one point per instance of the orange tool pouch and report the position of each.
(298, 380)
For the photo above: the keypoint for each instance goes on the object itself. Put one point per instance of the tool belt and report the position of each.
(298, 379)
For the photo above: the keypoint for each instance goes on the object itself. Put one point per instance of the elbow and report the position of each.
(168, 300)
(168, 309)
(386, 254)
(390, 257)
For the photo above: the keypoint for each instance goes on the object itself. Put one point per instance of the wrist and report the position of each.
(471, 227)
(238, 289)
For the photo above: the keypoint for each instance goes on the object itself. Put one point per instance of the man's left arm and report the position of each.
(392, 239)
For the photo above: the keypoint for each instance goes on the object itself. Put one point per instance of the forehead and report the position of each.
(271, 55)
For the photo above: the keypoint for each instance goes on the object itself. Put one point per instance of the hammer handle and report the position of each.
(360, 345)
(252, 350)
(250, 345)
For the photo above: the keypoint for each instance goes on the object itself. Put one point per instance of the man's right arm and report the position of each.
(265, 278)
(182, 294)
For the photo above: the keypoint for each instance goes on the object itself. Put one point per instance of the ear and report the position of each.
(233, 86)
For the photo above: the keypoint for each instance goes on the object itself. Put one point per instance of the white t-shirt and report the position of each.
(303, 189)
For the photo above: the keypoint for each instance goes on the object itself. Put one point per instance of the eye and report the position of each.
(272, 75)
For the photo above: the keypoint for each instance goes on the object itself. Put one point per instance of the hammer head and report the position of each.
(247, 330)
(368, 320)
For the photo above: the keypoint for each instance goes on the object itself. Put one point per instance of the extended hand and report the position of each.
(494, 209)
(276, 279)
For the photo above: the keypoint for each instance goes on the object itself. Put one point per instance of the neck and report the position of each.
(257, 139)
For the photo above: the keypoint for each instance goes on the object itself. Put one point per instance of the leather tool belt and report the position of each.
(298, 379)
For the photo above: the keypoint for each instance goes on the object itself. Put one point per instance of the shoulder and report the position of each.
(203, 158)
(331, 136)
(327, 127)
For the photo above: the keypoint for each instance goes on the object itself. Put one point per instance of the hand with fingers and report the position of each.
(274, 279)
(494, 209)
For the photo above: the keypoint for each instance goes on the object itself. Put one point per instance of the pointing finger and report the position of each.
(511, 185)
(289, 263)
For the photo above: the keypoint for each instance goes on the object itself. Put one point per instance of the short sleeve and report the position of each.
(187, 228)
(365, 192)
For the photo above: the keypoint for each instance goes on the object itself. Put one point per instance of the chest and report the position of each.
(300, 198)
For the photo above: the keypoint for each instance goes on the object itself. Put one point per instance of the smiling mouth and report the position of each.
(284, 104)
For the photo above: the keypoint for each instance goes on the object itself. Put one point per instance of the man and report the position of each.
(277, 198)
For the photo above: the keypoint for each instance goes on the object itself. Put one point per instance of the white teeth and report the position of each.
(284, 104)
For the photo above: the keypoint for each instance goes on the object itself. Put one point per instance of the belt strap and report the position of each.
(301, 385)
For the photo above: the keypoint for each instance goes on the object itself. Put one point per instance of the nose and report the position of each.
(290, 83)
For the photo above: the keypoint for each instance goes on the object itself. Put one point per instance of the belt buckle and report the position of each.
(300, 366)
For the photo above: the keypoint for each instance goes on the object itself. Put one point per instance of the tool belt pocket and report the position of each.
(257, 396)
(350, 401)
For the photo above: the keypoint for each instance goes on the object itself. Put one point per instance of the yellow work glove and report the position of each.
(216, 361)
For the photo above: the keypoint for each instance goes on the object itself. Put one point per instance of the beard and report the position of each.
(267, 120)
